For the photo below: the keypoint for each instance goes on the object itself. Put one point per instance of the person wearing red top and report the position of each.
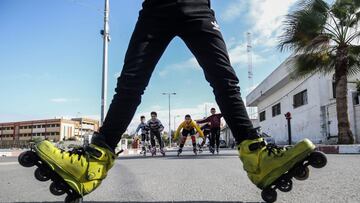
(215, 121)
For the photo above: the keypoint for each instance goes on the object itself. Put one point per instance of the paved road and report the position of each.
(189, 178)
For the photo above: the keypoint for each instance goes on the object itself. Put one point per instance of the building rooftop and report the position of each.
(276, 80)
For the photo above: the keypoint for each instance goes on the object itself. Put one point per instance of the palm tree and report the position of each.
(323, 38)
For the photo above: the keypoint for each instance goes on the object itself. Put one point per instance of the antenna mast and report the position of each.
(252, 112)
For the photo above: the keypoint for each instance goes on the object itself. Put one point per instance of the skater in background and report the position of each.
(158, 23)
(188, 127)
(144, 135)
(155, 128)
(206, 131)
(215, 122)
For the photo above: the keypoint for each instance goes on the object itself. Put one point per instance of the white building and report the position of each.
(310, 101)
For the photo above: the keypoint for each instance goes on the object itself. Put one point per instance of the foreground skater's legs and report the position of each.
(263, 163)
(84, 169)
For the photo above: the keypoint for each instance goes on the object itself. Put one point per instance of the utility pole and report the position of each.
(106, 39)
(169, 132)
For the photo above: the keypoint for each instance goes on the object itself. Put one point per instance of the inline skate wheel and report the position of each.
(284, 185)
(269, 195)
(317, 159)
(27, 159)
(302, 173)
(57, 188)
(42, 174)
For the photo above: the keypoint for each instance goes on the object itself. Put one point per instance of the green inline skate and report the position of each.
(271, 167)
(77, 172)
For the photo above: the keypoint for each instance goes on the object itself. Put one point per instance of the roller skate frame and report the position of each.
(44, 173)
(300, 172)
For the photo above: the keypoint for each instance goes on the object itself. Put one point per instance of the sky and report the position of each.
(51, 57)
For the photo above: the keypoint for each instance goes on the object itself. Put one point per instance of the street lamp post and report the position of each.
(169, 132)
(106, 38)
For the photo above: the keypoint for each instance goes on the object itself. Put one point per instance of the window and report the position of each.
(57, 125)
(300, 99)
(262, 116)
(276, 110)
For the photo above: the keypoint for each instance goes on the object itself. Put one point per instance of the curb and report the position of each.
(339, 149)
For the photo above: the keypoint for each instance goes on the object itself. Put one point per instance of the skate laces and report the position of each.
(274, 149)
(80, 151)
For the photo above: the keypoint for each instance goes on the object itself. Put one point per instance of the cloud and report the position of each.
(156, 108)
(234, 10)
(189, 63)
(264, 18)
(249, 89)
(267, 17)
(239, 56)
(63, 100)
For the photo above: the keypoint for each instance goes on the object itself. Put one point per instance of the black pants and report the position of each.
(215, 137)
(156, 134)
(144, 137)
(185, 133)
(158, 23)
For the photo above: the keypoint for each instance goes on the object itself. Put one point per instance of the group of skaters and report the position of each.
(209, 130)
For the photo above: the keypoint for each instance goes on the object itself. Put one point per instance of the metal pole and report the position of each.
(169, 132)
(169, 124)
(289, 131)
(288, 118)
(106, 39)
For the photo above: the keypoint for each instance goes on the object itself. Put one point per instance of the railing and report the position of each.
(6, 144)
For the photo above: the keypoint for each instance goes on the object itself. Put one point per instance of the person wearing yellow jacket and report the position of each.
(188, 128)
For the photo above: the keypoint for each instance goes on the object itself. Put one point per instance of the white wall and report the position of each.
(67, 131)
(307, 120)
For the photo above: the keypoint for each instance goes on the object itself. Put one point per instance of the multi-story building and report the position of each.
(85, 126)
(311, 101)
(51, 129)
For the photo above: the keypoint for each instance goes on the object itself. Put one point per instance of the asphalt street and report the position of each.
(205, 178)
